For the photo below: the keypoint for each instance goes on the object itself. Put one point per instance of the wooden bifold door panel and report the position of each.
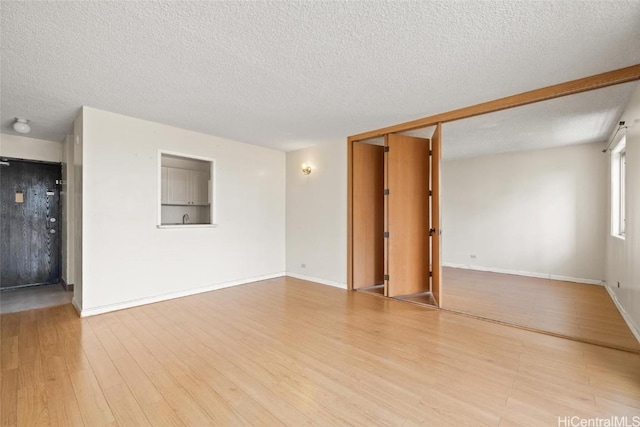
(408, 175)
(368, 215)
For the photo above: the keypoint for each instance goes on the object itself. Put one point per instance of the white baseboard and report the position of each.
(179, 294)
(317, 280)
(635, 330)
(527, 274)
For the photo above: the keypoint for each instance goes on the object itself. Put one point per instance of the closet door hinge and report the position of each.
(430, 152)
(430, 193)
(386, 234)
(432, 231)
(431, 274)
(386, 149)
(386, 277)
(386, 191)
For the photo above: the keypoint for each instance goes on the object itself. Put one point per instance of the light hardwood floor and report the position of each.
(289, 352)
(584, 312)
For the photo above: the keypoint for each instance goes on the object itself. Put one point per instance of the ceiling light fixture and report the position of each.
(21, 125)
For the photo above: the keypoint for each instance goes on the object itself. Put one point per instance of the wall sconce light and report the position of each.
(306, 169)
(21, 125)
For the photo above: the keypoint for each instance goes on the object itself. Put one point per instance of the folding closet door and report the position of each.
(368, 215)
(436, 240)
(407, 205)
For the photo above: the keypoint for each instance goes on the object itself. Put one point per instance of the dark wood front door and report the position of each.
(30, 223)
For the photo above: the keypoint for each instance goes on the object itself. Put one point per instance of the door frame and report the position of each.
(594, 82)
(63, 221)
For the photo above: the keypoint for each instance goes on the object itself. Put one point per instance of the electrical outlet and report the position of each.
(303, 265)
(473, 256)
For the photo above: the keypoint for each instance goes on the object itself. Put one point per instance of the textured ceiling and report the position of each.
(291, 74)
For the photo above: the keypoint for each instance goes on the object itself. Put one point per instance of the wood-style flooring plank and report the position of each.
(176, 396)
(9, 398)
(289, 352)
(32, 406)
(84, 402)
(574, 310)
(188, 377)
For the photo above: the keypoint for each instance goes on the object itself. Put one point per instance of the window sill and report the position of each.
(187, 226)
(202, 205)
(619, 237)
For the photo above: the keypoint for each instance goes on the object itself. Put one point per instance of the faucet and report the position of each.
(185, 218)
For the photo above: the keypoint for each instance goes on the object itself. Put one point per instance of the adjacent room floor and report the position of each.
(290, 352)
(584, 312)
(31, 297)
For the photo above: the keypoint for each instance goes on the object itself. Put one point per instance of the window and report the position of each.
(186, 191)
(618, 197)
(622, 219)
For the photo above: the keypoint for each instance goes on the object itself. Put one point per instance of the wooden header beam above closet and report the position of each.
(610, 78)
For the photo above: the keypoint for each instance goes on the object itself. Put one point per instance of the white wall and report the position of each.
(127, 260)
(539, 212)
(78, 171)
(22, 147)
(317, 214)
(623, 256)
(67, 199)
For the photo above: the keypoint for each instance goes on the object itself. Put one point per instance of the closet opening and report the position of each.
(405, 226)
(393, 207)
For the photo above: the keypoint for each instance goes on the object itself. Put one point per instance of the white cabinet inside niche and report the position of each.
(186, 187)
(164, 183)
(178, 191)
(199, 188)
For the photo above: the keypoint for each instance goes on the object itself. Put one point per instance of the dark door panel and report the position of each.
(29, 223)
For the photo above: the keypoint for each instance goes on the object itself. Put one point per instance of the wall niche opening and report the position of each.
(186, 190)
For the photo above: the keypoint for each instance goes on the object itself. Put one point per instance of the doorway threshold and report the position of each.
(423, 298)
(33, 297)
(375, 290)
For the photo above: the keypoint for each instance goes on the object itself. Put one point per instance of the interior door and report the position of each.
(30, 223)
(368, 215)
(407, 162)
